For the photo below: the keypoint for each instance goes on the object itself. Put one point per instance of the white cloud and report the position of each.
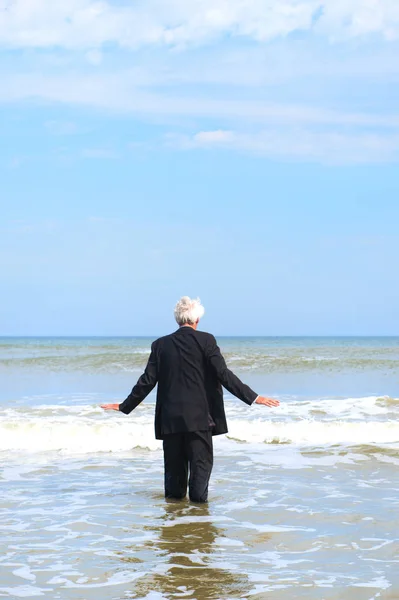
(91, 23)
(278, 88)
(119, 93)
(213, 137)
(354, 18)
(328, 147)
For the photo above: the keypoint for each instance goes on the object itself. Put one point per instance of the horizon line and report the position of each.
(148, 336)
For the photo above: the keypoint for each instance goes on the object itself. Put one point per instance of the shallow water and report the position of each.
(303, 499)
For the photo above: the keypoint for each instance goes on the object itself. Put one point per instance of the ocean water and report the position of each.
(304, 498)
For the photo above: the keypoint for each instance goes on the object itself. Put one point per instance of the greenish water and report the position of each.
(113, 355)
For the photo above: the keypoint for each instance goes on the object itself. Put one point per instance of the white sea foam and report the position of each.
(75, 436)
(85, 436)
(84, 429)
(315, 432)
(22, 591)
(348, 408)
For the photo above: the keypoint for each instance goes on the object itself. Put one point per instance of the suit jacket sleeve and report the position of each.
(226, 377)
(143, 387)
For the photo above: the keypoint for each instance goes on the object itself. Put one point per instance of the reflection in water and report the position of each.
(187, 544)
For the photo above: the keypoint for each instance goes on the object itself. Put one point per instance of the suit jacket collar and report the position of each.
(184, 329)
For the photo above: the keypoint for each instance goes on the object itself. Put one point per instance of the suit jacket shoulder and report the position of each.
(158, 343)
(205, 337)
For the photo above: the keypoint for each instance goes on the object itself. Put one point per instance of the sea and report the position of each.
(303, 500)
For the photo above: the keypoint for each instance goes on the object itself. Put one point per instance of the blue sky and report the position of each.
(243, 152)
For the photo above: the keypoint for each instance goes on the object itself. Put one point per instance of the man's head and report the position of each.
(188, 311)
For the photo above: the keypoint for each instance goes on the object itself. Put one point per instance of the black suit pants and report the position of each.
(184, 451)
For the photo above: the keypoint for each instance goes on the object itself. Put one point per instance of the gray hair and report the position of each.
(188, 311)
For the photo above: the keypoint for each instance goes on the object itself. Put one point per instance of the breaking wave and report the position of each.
(87, 429)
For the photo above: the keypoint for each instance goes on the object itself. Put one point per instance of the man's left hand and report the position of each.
(267, 401)
(110, 407)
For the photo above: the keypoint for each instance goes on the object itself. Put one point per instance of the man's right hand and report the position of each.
(267, 401)
(110, 406)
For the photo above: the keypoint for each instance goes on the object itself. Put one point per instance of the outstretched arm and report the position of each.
(230, 381)
(143, 387)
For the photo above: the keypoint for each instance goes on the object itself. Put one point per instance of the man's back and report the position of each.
(183, 375)
(190, 372)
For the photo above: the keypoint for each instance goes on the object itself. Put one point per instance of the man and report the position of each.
(190, 372)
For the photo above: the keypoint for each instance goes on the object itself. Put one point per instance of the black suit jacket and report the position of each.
(190, 372)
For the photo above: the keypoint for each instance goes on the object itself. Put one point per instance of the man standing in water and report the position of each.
(190, 372)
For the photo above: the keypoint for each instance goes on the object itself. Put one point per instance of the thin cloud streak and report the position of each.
(116, 93)
(327, 147)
